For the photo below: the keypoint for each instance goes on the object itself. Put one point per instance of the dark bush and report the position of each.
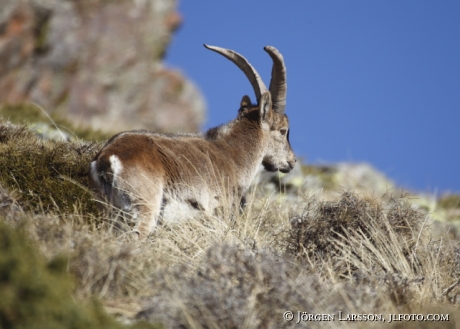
(320, 223)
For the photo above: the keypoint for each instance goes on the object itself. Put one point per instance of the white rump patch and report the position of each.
(115, 164)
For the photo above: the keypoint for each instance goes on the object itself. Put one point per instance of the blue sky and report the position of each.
(368, 81)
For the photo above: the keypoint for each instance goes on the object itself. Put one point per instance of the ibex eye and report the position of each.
(283, 132)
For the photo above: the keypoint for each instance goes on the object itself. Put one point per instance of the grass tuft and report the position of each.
(46, 175)
(319, 223)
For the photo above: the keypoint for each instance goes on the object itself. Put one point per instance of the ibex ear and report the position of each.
(245, 105)
(265, 105)
(246, 101)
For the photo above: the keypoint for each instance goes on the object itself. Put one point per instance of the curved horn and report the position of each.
(278, 84)
(252, 75)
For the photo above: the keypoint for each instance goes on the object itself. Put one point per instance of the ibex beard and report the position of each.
(140, 172)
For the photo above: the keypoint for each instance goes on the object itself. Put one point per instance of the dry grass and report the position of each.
(355, 255)
(242, 272)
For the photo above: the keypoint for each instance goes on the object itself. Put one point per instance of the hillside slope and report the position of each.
(358, 251)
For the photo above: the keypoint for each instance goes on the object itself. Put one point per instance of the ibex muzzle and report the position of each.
(140, 172)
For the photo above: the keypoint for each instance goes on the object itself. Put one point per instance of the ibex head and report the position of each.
(271, 104)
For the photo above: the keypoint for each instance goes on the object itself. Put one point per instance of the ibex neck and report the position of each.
(242, 139)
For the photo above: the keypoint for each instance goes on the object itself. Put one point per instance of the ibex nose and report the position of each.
(292, 163)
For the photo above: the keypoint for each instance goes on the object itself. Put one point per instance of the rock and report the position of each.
(97, 62)
(49, 132)
(328, 182)
(362, 177)
(359, 177)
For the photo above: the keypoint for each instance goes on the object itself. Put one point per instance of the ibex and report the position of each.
(139, 172)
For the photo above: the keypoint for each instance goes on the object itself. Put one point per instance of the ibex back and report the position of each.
(139, 172)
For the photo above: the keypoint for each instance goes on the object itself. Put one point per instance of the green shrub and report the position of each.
(36, 294)
(48, 175)
(449, 201)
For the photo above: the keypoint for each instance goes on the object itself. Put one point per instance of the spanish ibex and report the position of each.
(139, 172)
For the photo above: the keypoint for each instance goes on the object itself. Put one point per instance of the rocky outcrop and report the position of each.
(97, 62)
(331, 180)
